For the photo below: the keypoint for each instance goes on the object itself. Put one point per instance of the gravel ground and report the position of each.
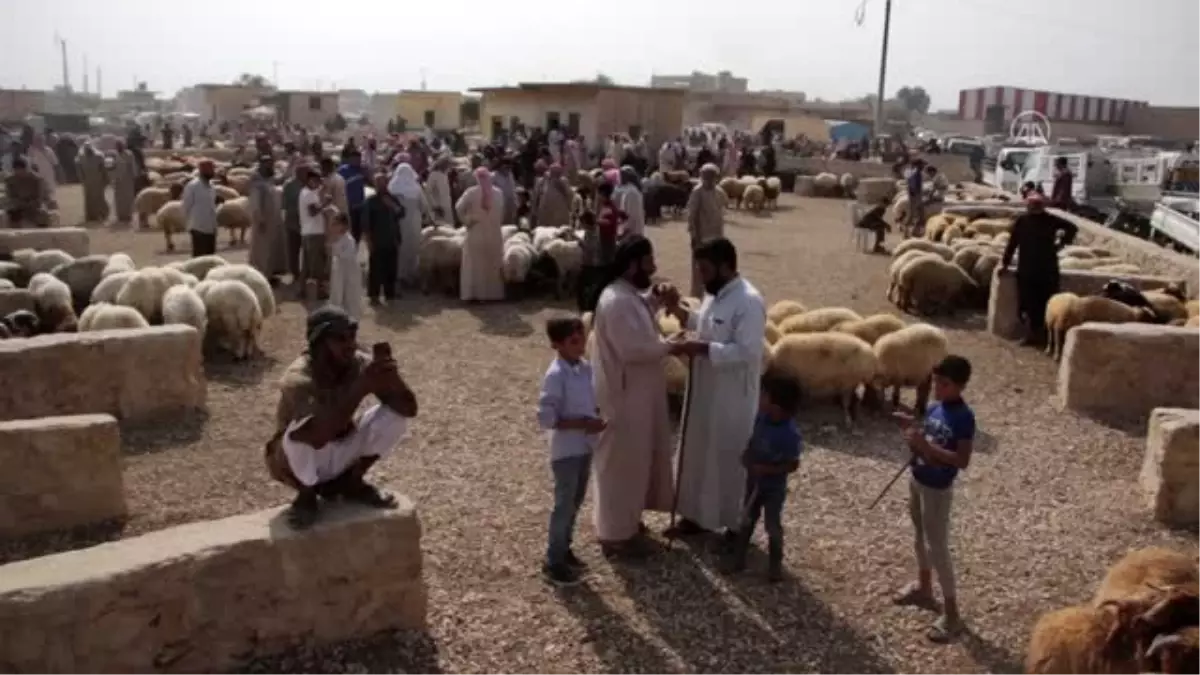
(1049, 500)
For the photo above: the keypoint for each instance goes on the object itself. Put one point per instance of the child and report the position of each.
(382, 214)
(567, 408)
(315, 270)
(772, 453)
(941, 447)
(593, 270)
(345, 277)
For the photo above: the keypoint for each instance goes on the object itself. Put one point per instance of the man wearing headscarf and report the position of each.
(95, 181)
(438, 185)
(480, 209)
(320, 447)
(628, 197)
(268, 248)
(632, 459)
(124, 175)
(723, 390)
(291, 218)
(503, 181)
(406, 188)
(42, 162)
(1038, 236)
(552, 199)
(66, 149)
(666, 157)
(572, 159)
(706, 217)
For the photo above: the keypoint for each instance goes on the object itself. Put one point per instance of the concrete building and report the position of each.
(747, 112)
(310, 109)
(723, 81)
(221, 102)
(588, 108)
(15, 104)
(438, 110)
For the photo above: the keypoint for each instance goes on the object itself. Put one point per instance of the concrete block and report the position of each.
(59, 472)
(1124, 371)
(73, 240)
(209, 596)
(138, 374)
(1002, 319)
(1170, 476)
(13, 299)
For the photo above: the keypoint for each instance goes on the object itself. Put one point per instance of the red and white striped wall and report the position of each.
(973, 105)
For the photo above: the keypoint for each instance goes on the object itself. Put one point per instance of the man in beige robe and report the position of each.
(481, 209)
(94, 176)
(267, 244)
(124, 177)
(632, 460)
(705, 216)
(552, 199)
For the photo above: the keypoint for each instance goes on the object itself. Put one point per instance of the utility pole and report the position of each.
(423, 87)
(62, 45)
(99, 84)
(85, 75)
(879, 96)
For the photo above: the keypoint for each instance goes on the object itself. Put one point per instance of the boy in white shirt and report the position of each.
(345, 278)
(315, 270)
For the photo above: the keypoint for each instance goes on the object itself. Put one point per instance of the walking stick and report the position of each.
(903, 468)
(687, 413)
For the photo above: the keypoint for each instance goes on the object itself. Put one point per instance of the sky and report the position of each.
(1144, 50)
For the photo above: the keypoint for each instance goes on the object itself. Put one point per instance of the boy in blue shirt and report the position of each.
(941, 446)
(772, 453)
(567, 409)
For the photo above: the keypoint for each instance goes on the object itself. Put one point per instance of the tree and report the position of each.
(914, 99)
(601, 78)
(252, 80)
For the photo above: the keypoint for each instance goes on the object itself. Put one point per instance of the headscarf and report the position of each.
(710, 169)
(613, 176)
(442, 163)
(630, 175)
(608, 163)
(404, 182)
(484, 178)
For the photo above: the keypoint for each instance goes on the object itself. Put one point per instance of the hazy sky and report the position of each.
(1138, 50)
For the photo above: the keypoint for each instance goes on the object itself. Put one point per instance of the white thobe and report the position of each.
(379, 431)
(345, 277)
(721, 404)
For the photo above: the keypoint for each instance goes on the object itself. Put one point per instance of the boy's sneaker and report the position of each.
(561, 574)
(574, 562)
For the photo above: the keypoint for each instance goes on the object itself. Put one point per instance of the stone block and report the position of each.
(1171, 469)
(1002, 319)
(1124, 371)
(73, 240)
(12, 299)
(1149, 256)
(136, 375)
(59, 472)
(206, 597)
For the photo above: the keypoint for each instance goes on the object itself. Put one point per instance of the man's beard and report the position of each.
(640, 280)
(713, 287)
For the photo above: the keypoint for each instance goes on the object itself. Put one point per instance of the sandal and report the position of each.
(366, 494)
(913, 595)
(303, 512)
(944, 630)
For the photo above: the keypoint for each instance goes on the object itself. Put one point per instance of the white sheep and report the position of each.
(172, 220)
(109, 287)
(754, 198)
(148, 202)
(898, 263)
(45, 261)
(817, 320)
(848, 182)
(201, 266)
(930, 284)
(144, 292)
(235, 215)
(568, 260)
(943, 251)
(12, 271)
(253, 279)
(871, 328)
(984, 270)
(52, 300)
(826, 365)
(783, 309)
(6, 284)
(543, 235)
(105, 316)
(907, 357)
(439, 263)
(180, 304)
(825, 184)
(517, 260)
(506, 231)
(439, 231)
(234, 317)
(118, 262)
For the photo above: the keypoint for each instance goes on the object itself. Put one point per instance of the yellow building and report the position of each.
(221, 102)
(438, 110)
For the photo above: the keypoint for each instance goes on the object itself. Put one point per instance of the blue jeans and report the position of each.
(570, 486)
(765, 497)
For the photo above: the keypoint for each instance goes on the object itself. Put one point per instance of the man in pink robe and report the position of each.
(632, 460)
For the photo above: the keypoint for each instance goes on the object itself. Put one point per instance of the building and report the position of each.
(221, 102)
(591, 109)
(353, 102)
(723, 81)
(438, 110)
(137, 100)
(309, 109)
(16, 104)
(748, 111)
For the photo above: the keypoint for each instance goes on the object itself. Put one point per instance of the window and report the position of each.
(429, 117)
(497, 125)
(514, 123)
(314, 102)
(573, 123)
(552, 120)
(635, 131)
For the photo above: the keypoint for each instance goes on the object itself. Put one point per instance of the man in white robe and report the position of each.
(723, 392)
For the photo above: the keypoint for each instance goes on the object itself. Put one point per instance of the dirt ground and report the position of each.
(1049, 501)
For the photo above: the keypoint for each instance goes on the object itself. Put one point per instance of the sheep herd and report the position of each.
(225, 302)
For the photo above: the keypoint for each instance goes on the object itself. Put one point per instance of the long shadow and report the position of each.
(48, 543)
(387, 652)
(616, 644)
(768, 628)
(410, 310)
(148, 439)
(967, 320)
(995, 658)
(501, 318)
(221, 367)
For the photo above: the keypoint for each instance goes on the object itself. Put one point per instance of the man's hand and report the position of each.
(380, 375)
(594, 425)
(667, 295)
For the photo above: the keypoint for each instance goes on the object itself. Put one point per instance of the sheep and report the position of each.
(518, 258)
(771, 186)
(1136, 574)
(826, 365)
(439, 263)
(506, 231)
(1177, 652)
(817, 320)
(144, 291)
(82, 275)
(234, 215)
(234, 317)
(171, 219)
(1118, 268)
(984, 270)
(754, 198)
(1056, 315)
(992, 227)
(783, 309)
(871, 328)
(568, 260)
(439, 231)
(543, 235)
(966, 258)
(148, 202)
(733, 189)
(1082, 639)
(52, 300)
(6, 284)
(253, 279)
(930, 284)
(13, 272)
(1076, 252)
(180, 304)
(906, 358)
(109, 287)
(1068, 314)
(943, 251)
(952, 233)
(201, 266)
(825, 184)
(848, 182)
(771, 333)
(898, 263)
(45, 261)
(105, 316)
(1192, 307)
(1166, 306)
(118, 262)
(224, 193)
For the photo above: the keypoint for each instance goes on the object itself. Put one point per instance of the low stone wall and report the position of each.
(13, 299)
(1002, 317)
(137, 374)
(209, 596)
(1170, 476)
(215, 154)
(956, 168)
(1124, 371)
(73, 240)
(1152, 258)
(59, 472)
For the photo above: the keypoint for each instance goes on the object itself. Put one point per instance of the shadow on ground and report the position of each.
(388, 652)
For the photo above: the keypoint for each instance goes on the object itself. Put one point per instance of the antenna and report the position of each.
(85, 75)
(99, 83)
(62, 44)
(423, 87)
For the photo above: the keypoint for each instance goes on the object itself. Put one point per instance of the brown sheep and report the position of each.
(1177, 652)
(1139, 573)
(1083, 639)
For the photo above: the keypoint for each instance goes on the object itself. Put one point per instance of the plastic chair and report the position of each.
(860, 236)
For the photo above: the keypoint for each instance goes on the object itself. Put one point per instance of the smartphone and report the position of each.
(381, 351)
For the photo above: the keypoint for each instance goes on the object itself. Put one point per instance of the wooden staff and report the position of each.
(687, 413)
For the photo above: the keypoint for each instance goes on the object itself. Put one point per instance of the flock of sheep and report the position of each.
(225, 302)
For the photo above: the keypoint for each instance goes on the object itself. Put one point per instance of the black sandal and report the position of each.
(366, 494)
(303, 512)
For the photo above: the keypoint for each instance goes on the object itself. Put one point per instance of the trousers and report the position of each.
(571, 476)
(381, 272)
(929, 509)
(203, 243)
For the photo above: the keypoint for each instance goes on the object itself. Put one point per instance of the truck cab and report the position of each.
(1038, 168)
